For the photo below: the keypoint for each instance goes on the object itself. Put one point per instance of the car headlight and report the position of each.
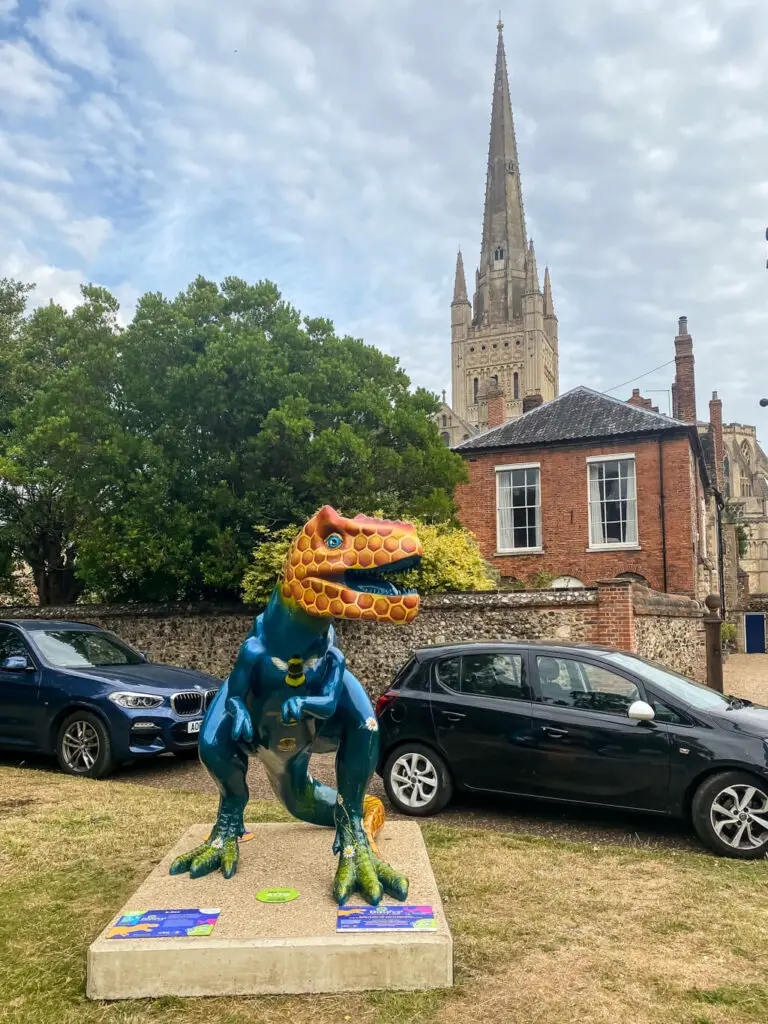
(136, 701)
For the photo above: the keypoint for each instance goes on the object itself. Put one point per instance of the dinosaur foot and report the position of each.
(220, 850)
(361, 870)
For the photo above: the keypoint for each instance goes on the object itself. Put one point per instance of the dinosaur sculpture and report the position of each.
(290, 694)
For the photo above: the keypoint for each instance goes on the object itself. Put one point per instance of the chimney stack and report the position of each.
(716, 425)
(497, 406)
(684, 392)
(532, 401)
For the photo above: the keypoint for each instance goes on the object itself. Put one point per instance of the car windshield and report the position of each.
(694, 694)
(73, 648)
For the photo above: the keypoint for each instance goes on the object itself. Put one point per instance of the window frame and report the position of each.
(538, 549)
(633, 545)
(535, 683)
(516, 652)
(30, 654)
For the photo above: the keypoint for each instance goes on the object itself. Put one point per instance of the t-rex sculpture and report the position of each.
(290, 694)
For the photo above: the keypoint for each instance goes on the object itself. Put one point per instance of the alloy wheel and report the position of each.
(80, 746)
(739, 816)
(414, 780)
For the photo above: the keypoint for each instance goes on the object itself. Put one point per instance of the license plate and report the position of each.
(194, 726)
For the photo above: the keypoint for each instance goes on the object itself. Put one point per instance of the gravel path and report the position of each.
(745, 676)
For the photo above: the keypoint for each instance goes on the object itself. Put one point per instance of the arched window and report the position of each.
(498, 255)
(494, 379)
(445, 421)
(746, 453)
(516, 385)
(634, 576)
(446, 437)
(566, 583)
(475, 386)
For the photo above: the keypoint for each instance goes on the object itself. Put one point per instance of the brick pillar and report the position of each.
(532, 401)
(615, 614)
(716, 423)
(497, 406)
(675, 414)
(685, 377)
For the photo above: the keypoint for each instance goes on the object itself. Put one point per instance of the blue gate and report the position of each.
(754, 629)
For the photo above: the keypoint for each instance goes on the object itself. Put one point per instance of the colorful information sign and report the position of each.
(164, 924)
(387, 919)
(277, 895)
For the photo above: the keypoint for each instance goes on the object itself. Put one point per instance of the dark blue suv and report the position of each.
(77, 691)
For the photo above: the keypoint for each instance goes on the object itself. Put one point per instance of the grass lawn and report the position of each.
(544, 931)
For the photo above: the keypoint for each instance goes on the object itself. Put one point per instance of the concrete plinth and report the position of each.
(262, 948)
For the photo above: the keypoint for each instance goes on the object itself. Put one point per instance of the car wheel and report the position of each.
(730, 815)
(417, 780)
(83, 746)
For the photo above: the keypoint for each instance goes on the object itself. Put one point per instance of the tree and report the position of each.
(451, 562)
(58, 423)
(244, 414)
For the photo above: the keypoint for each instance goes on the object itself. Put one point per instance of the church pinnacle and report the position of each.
(507, 336)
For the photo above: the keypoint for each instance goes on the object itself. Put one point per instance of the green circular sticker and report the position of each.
(277, 895)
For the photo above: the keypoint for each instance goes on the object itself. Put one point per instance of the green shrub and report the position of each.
(728, 634)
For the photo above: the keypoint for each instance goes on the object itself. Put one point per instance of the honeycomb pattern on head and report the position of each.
(359, 543)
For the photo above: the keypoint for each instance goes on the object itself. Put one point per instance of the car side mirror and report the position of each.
(144, 655)
(16, 663)
(641, 712)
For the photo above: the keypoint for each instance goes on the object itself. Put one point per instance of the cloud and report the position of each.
(340, 150)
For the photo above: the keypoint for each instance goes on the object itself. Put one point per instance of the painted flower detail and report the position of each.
(371, 724)
(217, 843)
(349, 851)
(339, 800)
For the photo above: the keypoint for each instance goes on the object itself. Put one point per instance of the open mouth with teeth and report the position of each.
(377, 579)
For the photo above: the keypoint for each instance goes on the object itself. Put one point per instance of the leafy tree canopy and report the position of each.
(136, 462)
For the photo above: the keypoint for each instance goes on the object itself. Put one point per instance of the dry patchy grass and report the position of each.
(544, 931)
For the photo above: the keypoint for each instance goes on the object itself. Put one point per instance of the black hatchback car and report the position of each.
(585, 725)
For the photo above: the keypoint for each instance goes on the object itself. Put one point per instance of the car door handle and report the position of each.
(556, 734)
(453, 716)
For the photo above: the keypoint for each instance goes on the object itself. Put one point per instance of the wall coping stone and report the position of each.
(651, 602)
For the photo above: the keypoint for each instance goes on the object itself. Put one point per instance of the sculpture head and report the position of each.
(343, 568)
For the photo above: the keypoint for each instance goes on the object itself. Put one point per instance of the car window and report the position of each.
(664, 713)
(486, 675)
(565, 682)
(11, 644)
(72, 648)
(449, 673)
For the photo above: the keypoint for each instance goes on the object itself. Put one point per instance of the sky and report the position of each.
(339, 149)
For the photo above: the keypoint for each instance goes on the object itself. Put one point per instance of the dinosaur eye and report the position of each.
(334, 541)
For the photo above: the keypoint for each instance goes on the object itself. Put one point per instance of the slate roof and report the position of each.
(579, 415)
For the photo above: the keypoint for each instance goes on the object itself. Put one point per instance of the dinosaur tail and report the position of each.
(373, 819)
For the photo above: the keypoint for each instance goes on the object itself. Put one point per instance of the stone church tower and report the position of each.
(506, 338)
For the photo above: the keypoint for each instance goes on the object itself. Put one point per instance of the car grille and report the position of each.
(209, 695)
(189, 703)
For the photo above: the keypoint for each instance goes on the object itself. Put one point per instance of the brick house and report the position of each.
(587, 487)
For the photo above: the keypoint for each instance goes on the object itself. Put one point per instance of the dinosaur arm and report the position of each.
(322, 705)
(239, 684)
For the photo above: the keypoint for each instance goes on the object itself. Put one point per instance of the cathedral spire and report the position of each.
(549, 306)
(531, 272)
(504, 220)
(460, 286)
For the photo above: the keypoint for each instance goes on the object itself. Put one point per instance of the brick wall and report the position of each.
(565, 516)
(207, 637)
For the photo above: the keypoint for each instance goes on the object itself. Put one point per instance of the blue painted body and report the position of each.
(33, 703)
(259, 713)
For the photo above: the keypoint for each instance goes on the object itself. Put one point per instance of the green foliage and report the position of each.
(264, 570)
(136, 462)
(451, 562)
(728, 634)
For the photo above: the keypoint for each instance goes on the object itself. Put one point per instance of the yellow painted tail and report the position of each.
(373, 819)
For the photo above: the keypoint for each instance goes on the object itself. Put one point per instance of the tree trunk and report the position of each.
(53, 568)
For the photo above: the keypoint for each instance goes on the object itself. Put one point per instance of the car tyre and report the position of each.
(83, 746)
(417, 780)
(727, 812)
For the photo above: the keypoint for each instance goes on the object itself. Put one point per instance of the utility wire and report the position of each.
(646, 374)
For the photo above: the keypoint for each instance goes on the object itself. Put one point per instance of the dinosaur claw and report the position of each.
(360, 870)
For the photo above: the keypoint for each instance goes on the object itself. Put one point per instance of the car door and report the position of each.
(20, 710)
(481, 707)
(585, 747)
